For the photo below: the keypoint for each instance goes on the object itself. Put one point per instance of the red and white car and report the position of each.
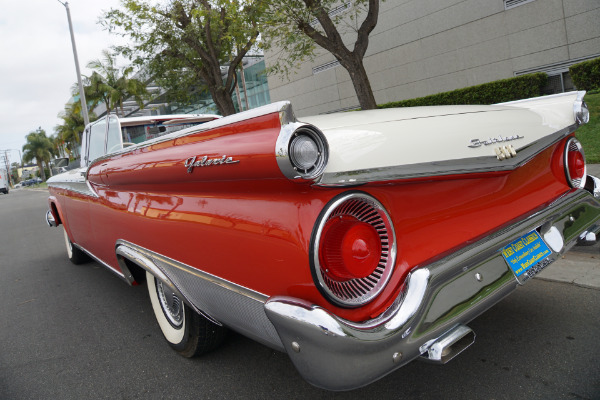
(355, 242)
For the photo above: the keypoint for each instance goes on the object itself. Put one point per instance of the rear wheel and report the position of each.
(75, 255)
(187, 332)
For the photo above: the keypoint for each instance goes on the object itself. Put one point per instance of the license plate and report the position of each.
(527, 256)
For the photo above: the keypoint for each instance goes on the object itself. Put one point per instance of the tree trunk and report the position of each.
(361, 83)
(41, 168)
(223, 101)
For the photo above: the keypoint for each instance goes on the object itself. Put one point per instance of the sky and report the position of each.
(37, 68)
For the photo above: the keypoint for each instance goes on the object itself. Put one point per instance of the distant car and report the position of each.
(18, 185)
(37, 180)
(355, 242)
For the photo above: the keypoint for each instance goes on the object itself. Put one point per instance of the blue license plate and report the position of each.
(527, 256)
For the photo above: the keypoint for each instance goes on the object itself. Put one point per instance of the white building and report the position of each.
(422, 47)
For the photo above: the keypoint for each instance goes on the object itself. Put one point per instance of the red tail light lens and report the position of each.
(575, 168)
(350, 249)
(353, 250)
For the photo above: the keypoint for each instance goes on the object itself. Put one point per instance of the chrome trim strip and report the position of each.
(78, 187)
(217, 123)
(450, 291)
(453, 167)
(128, 279)
(74, 181)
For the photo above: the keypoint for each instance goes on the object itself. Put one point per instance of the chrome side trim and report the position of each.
(83, 188)
(453, 167)
(233, 305)
(449, 292)
(127, 278)
(74, 181)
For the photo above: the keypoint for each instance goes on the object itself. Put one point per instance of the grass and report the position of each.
(589, 134)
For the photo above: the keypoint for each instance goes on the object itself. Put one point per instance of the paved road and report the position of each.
(77, 332)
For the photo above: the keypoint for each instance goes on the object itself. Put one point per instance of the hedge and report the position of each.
(586, 75)
(519, 87)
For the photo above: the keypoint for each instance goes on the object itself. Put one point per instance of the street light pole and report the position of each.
(84, 110)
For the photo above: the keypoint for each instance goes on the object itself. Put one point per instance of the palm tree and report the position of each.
(71, 129)
(111, 85)
(38, 147)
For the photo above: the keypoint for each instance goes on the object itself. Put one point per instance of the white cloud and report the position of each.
(37, 68)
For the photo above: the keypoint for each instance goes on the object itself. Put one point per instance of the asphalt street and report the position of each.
(78, 332)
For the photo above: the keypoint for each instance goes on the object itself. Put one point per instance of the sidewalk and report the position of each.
(579, 267)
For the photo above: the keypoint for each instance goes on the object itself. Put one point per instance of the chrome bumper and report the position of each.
(429, 317)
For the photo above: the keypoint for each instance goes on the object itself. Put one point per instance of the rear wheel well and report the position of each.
(138, 273)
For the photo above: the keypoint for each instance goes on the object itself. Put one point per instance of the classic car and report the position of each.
(355, 242)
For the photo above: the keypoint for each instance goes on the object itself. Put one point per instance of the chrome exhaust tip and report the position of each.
(449, 345)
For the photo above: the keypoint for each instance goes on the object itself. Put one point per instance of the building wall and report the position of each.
(422, 47)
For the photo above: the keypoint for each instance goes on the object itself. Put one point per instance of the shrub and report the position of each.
(586, 75)
(519, 87)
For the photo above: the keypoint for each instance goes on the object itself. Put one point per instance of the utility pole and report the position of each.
(84, 110)
(7, 166)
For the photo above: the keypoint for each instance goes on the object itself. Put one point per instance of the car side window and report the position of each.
(96, 143)
(113, 141)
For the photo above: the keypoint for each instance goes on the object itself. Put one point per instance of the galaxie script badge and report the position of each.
(204, 161)
(477, 143)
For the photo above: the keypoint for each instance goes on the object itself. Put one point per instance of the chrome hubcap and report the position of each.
(170, 304)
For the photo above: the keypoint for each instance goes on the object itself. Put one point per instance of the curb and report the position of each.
(575, 267)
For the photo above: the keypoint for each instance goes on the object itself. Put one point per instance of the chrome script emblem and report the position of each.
(504, 152)
(477, 143)
(204, 161)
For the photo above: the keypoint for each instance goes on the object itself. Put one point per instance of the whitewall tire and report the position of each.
(187, 332)
(75, 255)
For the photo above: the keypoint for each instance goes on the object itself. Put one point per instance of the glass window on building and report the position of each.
(559, 82)
(257, 88)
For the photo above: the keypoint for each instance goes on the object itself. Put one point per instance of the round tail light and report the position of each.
(575, 167)
(353, 251)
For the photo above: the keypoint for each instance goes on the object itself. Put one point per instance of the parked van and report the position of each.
(3, 181)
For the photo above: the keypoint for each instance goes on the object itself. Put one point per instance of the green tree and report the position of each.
(112, 85)
(14, 171)
(293, 29)
(40, 148)
(187, 44)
